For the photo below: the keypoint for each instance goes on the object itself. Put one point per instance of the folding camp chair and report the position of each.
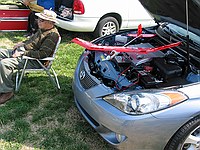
(47, 68)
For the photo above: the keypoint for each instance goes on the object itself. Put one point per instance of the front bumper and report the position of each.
(143, 132)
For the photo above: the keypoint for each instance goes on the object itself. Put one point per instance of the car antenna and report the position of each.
(187, 36)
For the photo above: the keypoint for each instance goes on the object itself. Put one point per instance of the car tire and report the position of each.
(186, 137)
(106, 26)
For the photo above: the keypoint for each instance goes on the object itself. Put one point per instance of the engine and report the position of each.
(122, 71)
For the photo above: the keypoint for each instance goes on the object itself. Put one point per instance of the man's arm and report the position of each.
(27, 2)
(46, 47)
(18, 45)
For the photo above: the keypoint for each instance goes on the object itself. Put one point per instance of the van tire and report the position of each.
(106, 26)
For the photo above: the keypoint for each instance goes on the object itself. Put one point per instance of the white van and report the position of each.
(102, 17)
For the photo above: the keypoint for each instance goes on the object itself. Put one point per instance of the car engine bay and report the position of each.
(137, 70)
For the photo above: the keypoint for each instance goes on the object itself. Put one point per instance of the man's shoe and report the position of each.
(5, 97)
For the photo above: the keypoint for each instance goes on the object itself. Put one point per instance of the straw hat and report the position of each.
(48, 15)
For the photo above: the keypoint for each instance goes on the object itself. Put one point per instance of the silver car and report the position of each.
(139, 89)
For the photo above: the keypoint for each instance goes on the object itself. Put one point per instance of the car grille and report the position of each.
(87, 81)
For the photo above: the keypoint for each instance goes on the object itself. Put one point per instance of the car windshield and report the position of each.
(177, 30)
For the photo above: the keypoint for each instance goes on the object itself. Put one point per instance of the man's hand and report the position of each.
(17, 54)
(27, 2)
(18, 45)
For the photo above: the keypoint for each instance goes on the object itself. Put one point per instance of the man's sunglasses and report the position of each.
(40, 20)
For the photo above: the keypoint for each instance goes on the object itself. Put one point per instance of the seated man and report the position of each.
(42, 44)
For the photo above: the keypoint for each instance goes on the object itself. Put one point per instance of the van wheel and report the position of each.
(187, 137)
(106, 26)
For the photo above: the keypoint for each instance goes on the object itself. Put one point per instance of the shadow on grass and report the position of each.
(41, 117)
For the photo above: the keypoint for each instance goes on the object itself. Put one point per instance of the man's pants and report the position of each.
(8, 66)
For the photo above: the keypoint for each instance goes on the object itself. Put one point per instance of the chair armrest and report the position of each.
(48, 58)
(31, 58)
(26, 57)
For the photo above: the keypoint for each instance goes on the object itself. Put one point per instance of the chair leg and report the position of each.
(16, 81)
(53, 80)
(19, 80)
(56, 78)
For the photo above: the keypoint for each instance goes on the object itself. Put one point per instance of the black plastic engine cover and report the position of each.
(166, 70)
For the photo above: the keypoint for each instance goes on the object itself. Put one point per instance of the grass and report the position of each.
(39, 117)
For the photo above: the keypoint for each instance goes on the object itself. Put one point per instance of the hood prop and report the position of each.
(139, 50)
(187, 36)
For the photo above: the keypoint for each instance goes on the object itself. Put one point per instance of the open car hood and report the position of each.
(174, 11)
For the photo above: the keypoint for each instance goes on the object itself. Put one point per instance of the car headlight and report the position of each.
(145, 101)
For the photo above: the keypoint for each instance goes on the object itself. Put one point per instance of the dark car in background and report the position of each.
(139, 89)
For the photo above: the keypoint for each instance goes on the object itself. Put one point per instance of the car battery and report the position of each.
(147, 80)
